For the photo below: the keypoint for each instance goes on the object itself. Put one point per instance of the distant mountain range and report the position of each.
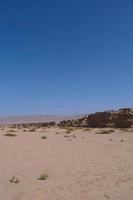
(37, 119)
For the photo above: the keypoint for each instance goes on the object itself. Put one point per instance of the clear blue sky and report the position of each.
(65, 57)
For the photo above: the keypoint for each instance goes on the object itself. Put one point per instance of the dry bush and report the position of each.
(66, 136)
(10, 135)
(68, 132)
(32, 130)
(14, 180)
(43, 177)
(71, 129)
(44, 137)
(106, 131)
(11, 130)
(87, 129)
(124, 129)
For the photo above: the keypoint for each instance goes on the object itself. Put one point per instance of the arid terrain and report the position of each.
(37, 118)
(66, 163)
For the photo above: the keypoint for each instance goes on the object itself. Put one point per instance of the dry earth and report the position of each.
(82, 164)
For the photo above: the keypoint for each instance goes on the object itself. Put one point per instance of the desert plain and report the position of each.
(62, 164)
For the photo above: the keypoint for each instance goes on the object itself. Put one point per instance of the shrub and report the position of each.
(14, 180)
(44, 137)
(68, 132)
(43, 177)
(106, 131)
(10, 135)
(11, 130)
(87, 129)
(32, 130)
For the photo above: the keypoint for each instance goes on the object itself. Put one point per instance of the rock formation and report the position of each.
(123, 118)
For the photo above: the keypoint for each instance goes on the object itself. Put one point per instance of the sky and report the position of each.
(65, 57)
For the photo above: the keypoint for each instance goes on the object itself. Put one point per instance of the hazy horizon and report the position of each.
(62, 114)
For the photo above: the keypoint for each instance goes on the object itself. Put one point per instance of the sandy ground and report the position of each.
(81, 165)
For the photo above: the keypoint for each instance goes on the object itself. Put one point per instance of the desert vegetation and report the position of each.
(44, 137)
(33, 125)
(10, 134)
(14, 180)
(44, 176)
